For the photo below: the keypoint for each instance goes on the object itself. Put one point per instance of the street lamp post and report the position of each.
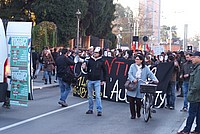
(131, 35)
(120, 29)
(170, 38)
(78, 15)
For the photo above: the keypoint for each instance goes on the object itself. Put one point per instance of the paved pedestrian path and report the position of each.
(38, 83)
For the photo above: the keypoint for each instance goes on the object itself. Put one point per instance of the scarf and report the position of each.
(139, 71)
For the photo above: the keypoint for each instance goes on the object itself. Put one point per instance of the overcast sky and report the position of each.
(180, 12)
(176, 12)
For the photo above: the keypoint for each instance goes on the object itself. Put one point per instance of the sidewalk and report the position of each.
(38, 83)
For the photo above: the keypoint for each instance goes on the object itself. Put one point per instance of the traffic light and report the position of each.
(136, 38)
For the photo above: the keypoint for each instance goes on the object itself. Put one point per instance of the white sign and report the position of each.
(157, 49)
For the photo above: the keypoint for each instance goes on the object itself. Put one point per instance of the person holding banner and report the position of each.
(137, 73)
(171, 88)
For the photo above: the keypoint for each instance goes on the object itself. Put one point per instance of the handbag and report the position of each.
(130, 86)
(52, 66)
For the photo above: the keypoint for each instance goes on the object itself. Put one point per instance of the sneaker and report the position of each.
(99, 114)
(138, 115)
(194, 132)
(184, 109)
(62, 103)
(171, 108)
(132, 117)
(153, 110)
(180, 95)
(55, 81)
(35, 77)
(167, 107)
(89, 112)
(7, 106)
(182, 132)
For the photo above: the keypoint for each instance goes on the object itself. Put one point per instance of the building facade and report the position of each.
(149, 14)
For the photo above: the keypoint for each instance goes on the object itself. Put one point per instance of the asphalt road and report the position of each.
(45, 116)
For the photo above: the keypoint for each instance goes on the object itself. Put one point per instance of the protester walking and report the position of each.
(48, 66)
(137, 72)
(55, 55)
(40, 64)
(34, 60)
(63, 63)
(96, 77)
(193, 97)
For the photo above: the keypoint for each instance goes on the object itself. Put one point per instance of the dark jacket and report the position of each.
(194, 85)
(187, 69)
(55, 55)
(175, 72)
(48, 62)
(63, 63)
(34, 58)
(96, 69)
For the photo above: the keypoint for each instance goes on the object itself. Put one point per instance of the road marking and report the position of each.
(184, 123)
(40, 116)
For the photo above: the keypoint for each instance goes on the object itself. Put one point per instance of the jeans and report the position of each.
(47, 74)
(194, 111)
(96, 86)
(185, 91)
(65, 89)
(38, 68)
(171, 91)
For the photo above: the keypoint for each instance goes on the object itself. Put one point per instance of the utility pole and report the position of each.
(185, 37)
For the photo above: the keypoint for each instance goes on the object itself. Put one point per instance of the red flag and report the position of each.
(139, 46)
(147, 47)
(133, 46)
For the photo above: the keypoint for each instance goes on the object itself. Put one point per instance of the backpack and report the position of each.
(69, 76)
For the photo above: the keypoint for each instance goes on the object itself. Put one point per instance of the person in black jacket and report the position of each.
(185, 75)
(96, 77)
(55, 55)
(34, 60)
(63, 63)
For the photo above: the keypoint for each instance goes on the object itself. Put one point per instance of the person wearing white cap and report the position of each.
(95, 70)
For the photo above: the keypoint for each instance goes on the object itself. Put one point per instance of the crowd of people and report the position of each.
(184, 77)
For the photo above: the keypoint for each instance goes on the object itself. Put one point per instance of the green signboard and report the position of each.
(19, 70)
